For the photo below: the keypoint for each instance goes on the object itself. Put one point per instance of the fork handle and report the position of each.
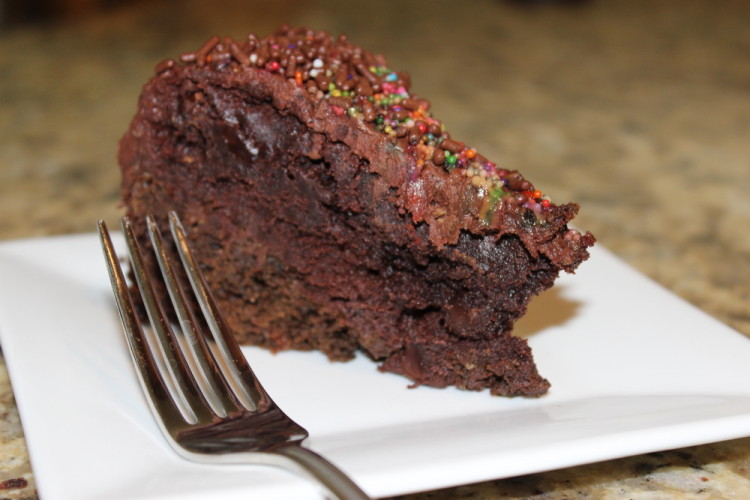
(329, 476)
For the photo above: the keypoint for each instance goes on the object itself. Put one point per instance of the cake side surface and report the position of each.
(320, 228)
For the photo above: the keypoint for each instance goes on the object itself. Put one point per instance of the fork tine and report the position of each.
(181, 385)
(149, 375)
(237, 372)
(206, 373)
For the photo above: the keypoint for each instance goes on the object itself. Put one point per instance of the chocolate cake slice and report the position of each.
(330, 210)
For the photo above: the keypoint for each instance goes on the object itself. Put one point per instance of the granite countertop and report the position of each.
(638, 110)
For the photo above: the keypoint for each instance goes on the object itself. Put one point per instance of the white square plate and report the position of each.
(633, 369)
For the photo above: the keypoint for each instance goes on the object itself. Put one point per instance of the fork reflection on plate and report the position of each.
(199, 385)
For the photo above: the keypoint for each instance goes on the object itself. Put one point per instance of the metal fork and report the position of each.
(201, 390)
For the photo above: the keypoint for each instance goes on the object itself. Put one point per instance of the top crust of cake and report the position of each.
(349, 93)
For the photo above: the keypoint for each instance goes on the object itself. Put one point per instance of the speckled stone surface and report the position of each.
(639, 110)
